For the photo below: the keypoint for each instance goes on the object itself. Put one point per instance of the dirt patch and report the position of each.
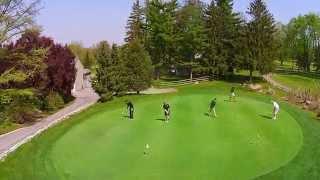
(153, 90)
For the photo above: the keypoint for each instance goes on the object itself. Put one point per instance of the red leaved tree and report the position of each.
(60, 61)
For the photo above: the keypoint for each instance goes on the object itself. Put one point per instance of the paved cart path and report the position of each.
(11, 141)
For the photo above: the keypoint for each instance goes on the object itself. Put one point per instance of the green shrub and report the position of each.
(53, 101)
(106, 97)
(8, 96)
(19, 105)
(21, 113)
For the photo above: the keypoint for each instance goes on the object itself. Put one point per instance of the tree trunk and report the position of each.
(157, 73)
(191, 74)
(251, 74)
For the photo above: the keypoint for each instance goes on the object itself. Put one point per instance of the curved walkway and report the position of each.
(11, 141)
(274, 83)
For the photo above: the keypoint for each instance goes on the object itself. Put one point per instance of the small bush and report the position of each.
(23, 113)
(53, 101)
(121, 94)
(106, 97)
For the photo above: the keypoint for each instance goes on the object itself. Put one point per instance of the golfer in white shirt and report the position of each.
(276, 109)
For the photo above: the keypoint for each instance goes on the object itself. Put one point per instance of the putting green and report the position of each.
(241, 143)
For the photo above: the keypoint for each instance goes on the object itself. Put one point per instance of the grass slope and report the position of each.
(242, 143)
(298, 81)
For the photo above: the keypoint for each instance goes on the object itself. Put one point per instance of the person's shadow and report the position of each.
(160, 119)
(265, 116)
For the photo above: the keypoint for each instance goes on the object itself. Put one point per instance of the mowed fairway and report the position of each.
(241, 143)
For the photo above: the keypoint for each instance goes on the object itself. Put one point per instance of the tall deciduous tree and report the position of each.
(23, 70)
(261, 38)
(86, 55)
(303, 36)
(16, 16)
(138, 66)
(59, 61)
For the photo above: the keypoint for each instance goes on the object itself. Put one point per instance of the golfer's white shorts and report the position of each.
(276, 111)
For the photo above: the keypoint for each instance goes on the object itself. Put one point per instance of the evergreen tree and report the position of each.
(211, 61)
(102, 81)
(261, 38)
(135, 25)
(118, 72)
(223, 28)
(138, 67)
(191, 36)
(161, 38)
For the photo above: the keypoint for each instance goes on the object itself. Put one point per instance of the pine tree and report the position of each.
(191, 37)
(135, 25)
(118, 72)
(161, 37)
(102, 81)
(211, 60)
(261, 41)
(223, 30)
(138, 67)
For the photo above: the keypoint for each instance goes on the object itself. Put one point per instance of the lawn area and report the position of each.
(241, 143)
(298, 81)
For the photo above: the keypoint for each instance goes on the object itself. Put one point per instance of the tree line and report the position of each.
(198, 38)
(300, 42)
(193, 38)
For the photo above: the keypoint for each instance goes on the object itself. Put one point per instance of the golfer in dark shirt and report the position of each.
(212, 107)
(130, 109)
(166, 108)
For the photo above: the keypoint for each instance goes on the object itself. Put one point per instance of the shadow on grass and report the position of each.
(160, 119)
(238, 78)
(265, 117)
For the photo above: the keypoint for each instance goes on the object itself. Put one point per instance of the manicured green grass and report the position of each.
(296, 81)
(242, 143)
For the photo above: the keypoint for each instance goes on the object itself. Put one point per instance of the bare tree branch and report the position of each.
(16, 16)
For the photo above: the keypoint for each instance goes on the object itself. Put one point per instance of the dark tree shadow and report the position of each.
(266, 117)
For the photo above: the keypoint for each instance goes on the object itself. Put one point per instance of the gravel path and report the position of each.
(11, 141)
(274, 83)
